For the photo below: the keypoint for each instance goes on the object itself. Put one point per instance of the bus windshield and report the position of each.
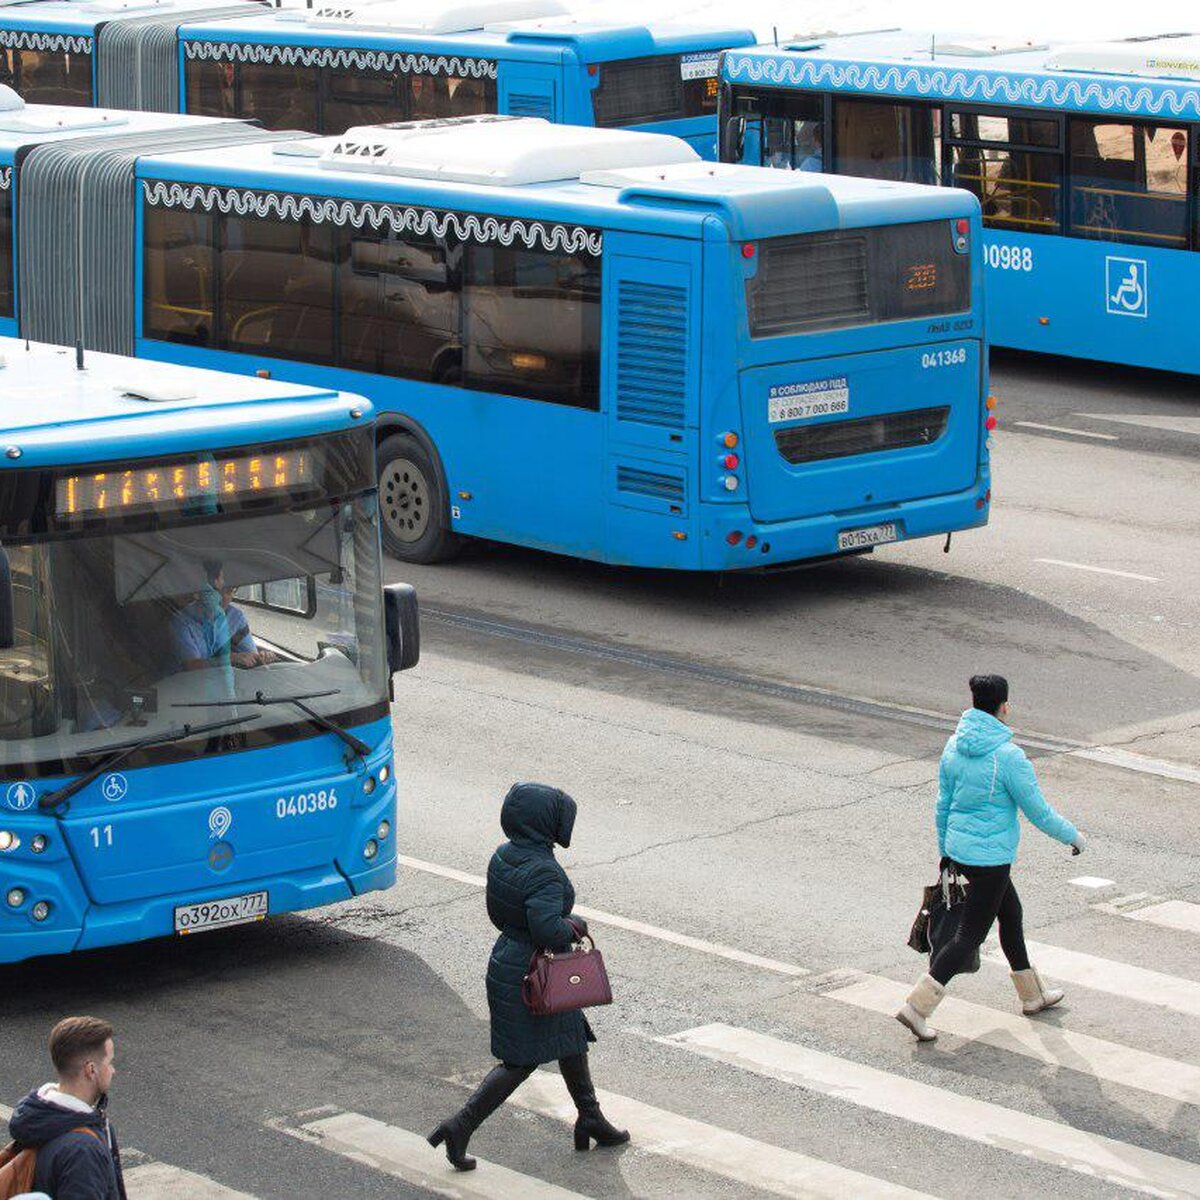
(108, 635)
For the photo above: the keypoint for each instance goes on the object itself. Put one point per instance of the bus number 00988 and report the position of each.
(1008, 258)
(304, 803)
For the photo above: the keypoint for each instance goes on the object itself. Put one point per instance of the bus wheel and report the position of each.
(412, 499)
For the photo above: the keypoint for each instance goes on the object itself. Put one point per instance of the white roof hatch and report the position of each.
(1153, 58)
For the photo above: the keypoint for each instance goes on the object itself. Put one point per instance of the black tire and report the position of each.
(413, 503)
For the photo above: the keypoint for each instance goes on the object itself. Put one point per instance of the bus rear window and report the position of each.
(832, 280)
(640, 91)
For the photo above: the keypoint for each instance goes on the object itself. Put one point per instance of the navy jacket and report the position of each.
(528, 897)
(70, 1166)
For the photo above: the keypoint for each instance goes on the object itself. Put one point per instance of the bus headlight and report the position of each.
(8, 841)
(40, 911)
(384, 830)
(368, 785)
(15, 897)
(39, 843)
(385, 773)
(371, 849)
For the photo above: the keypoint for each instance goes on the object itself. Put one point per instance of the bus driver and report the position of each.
(212, 630)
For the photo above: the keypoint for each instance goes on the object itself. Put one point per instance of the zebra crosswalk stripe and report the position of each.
(708, 1148)
(1170, 914)
(159, 1181)
(1049, 1044)
(921, 1103)
(408, 1156)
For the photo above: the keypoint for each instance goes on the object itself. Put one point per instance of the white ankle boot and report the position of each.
(919, 1006)
(1035, 996)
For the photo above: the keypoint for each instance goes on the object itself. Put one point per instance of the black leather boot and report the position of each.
(499, 1083)
(591, 1126)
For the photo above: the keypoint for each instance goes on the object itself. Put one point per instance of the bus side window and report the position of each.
(54, 77)
(279, 95)
(178, 273)
(209, 87)
(1129, 182)
(355, 97)
(882, 140)
(6, 254)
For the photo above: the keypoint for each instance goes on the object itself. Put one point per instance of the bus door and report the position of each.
(651, 382)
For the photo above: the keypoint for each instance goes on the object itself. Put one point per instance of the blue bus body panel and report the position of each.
(50, 18)
(163, 853)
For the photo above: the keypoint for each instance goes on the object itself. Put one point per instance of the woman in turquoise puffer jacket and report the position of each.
(984, 781)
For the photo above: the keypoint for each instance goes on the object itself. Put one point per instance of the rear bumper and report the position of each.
(784, 542)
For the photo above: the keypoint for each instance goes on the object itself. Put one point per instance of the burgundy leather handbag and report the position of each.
(564, 982)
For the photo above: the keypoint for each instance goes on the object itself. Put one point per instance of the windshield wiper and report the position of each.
(53, 801)
(356, 744)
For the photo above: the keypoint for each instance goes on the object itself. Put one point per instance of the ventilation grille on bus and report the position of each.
(637, 482)
(137, 58)
(865, 435)
(814, 282)
(652, 353)
(530, 104)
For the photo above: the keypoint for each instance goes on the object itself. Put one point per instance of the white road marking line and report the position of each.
(721, 1152)
(1101, 437)
(408, 1156)
(1092, 881)
(158, 1181)
(1056, 1047)
(1171, 424)
(1114, 756)
(1088, 1154)
(714, 949)
(1115, 978)
(1170, 914)
(1074, 566)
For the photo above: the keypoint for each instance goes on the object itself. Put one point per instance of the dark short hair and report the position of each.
(76, 1039)
(988, 692)
(212, 570)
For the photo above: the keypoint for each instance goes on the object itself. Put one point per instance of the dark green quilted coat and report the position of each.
(528, 895)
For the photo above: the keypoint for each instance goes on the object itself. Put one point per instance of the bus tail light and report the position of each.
(748, 250)
(733, 536)
(730, 462)
(990, 423)
(991, 403)
(729, 440)
(751, 542)
(731, 483)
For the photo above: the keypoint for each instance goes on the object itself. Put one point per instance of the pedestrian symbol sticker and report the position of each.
(114, 787)
(1128, 287)
(20, 796)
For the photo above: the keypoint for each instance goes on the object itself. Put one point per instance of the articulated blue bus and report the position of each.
(189, 574)
(584, 341)
(1083, 158)
(328, 68)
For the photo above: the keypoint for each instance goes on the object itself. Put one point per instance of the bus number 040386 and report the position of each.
(304, 803)
(1008, 258)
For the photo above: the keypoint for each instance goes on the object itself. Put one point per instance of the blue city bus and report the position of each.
(190, 576)
(1083, 158)
(326, 69)
(589, 341)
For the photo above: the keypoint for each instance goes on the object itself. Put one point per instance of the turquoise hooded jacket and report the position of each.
(984, 778)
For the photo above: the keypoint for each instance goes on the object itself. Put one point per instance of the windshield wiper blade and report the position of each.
(263, 701)
(52, 801)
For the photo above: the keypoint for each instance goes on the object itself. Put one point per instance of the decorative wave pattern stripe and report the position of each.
(5, 178)
(24, 39)
(344, 59)
(1037, 91)
(423, 222)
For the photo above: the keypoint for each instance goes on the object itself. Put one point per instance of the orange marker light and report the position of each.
(729, 440)
(991, 402)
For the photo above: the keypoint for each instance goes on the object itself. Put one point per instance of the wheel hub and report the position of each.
(404, 497)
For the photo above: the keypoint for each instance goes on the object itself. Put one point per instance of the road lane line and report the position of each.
(1170, 914)
(1126, 760)
(714, 949)
(1048, 1044)
(1074, 566)
(1114, 978)
(1100, 437)
(1092, 881)
(1088, 1154)
(158, 1181)
(708, 1148)
(408, 1156)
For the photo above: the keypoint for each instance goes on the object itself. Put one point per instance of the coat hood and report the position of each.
(980, 733)
(47, 1114)
(534, 812)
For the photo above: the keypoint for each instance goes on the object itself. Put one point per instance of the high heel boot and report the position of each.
(591, 1124)
(499, 1083)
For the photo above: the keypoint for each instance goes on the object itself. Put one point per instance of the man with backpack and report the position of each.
(63, 1144)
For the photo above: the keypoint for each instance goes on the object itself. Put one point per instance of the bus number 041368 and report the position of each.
(304, 803)
(1008, 258)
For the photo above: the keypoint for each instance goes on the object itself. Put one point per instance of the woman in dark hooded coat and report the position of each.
(529, 899)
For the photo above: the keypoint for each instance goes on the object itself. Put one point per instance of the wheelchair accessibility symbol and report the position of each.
(1128, 288)
(114, 787)
(20, 796)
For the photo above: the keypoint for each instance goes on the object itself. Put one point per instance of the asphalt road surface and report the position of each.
(754, 759)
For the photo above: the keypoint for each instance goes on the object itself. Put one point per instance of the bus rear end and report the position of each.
(856, 412)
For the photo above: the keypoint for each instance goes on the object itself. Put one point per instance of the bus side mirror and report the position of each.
(8, 632)
(402, 625)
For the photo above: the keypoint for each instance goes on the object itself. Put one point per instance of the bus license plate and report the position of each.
(217, 914)
(872, 535)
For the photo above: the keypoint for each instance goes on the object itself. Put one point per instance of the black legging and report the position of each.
(991, 895)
